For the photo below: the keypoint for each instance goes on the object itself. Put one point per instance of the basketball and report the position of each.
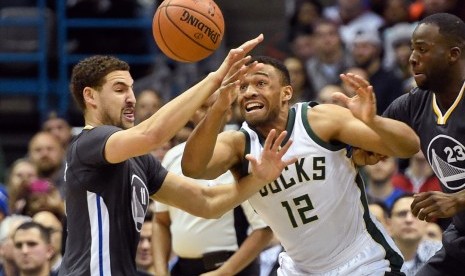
(188, 30)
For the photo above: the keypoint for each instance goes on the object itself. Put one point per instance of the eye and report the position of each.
(261, 83)
(243, 87)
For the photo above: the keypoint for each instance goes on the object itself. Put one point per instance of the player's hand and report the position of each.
(363, 104)
(270, 165)
(237, 57)
(225, 96)
(361, 157)
(430, 205)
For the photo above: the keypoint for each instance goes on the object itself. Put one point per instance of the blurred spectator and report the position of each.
(302, 46)
(408, 231)
(420, 9)
(58, 127)
(144, 255)
(330, 59)
(380, 211)
(325, 95)
(433, 232)
(379, 182)
(367, 51)
(7, 229)
(302, 90)
(41, 195)
(395, 12)
(3, 203)
(22, 172)
(55, 227)
(353, 17)
(32, 249)
(148, 102)
(418, 176)
(47, 154)
(306, 13)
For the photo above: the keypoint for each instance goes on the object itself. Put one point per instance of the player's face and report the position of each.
(403, 225)
(116, 100)
(260, 96)
(429, 58)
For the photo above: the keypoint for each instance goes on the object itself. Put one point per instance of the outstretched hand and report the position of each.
(237, 57)
(270, 165)
(363, 104)
(430, 205)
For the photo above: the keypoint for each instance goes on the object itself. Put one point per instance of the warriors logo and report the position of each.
(447, 158)
(139, 202)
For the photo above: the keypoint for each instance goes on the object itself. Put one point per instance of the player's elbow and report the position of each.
(190, 169)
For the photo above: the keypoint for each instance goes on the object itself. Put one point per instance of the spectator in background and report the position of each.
(330, 59)
(7, 229)
(299, 80)
(418, 176)
(22, 173)
(47, 154)
(55, 227)
(379, 210)
(367, 51)
(433, 232)
(60, 128)
(325, 94)
(148, 102)
(32, 249)
(379, 181)
(302, 46)
(145, 262)
(3, 203)
(353, 17)
(304, 17)
(407, 232)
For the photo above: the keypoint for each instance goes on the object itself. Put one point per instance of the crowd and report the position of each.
(323, 40)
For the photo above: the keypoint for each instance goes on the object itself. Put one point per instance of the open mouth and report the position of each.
(249, 107)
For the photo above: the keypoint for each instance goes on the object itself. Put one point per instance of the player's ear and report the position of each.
(455, 54)
(89, 95)
(287, 92)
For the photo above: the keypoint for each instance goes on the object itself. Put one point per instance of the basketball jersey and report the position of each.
(442, 137)
(317, 207)
(105, 205)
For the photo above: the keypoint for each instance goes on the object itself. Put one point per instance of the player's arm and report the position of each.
(214, 201)
(161, 242)
(208, 154)
(166, 122)
(359, 126)
(255, 242)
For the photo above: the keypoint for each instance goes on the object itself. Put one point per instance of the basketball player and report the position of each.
(317, 207)
(435, 110)
(110, 173)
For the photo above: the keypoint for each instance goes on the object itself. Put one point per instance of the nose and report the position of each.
(131, 97)
(413, 59)
(250, 92)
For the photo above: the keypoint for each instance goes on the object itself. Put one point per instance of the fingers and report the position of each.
(249, 45)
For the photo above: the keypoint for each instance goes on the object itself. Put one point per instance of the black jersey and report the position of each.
(442, 136)
(105, 205)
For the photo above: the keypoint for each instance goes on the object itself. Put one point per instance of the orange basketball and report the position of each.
(188, 30)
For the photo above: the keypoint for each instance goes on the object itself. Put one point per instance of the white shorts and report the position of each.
(370, 261)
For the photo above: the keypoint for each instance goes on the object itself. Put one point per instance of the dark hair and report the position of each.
(285, 77)
(450, 26)
(397, 199)
(91, 72)
(44, 231)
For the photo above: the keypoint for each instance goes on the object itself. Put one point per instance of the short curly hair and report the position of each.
(91, 72)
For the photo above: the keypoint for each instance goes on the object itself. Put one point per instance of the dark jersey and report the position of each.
(105, 205)
(442, 136)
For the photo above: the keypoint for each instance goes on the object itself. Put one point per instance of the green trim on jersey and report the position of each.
(329, 146)
(396, 261)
